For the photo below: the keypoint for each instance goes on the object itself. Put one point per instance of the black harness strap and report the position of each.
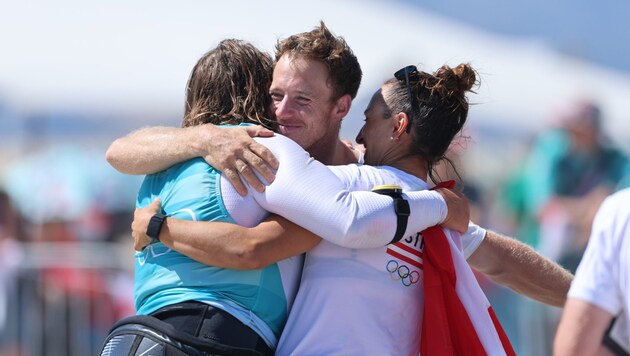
(136, 334)
(401, 208)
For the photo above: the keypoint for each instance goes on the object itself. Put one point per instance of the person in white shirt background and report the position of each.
(601, 288)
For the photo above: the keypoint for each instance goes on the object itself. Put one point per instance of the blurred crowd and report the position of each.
(64, 232)
(569, 170)
(65, 262)
(550, 203)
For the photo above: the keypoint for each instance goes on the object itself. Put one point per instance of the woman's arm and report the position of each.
(224, 244)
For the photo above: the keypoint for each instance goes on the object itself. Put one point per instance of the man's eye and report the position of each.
(302, 100)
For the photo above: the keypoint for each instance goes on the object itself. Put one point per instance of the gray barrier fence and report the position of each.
(62, 298)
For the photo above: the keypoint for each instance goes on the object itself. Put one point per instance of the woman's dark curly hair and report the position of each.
(440, 111)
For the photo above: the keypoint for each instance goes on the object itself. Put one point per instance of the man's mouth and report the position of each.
(288, 130)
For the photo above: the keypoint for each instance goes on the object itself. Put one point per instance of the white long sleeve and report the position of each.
(309, 194)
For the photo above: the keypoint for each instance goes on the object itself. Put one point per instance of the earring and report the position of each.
(391, 137)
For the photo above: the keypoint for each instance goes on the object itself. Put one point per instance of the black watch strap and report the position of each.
(401, 207)
(155, 226)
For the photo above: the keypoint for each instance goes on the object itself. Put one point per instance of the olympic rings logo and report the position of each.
(402, 273)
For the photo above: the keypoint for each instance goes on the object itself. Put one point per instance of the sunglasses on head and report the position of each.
(404, 73)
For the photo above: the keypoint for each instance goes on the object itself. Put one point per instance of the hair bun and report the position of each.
(466, 76)
(455, 81)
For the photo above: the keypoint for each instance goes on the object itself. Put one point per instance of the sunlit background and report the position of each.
(74, 75)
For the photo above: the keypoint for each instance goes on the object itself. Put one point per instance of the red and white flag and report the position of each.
(458, 318)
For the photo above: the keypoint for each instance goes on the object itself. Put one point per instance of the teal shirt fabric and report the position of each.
(577, 173)
(191, 191)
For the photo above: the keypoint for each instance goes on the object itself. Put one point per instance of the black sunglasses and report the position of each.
(404, 73)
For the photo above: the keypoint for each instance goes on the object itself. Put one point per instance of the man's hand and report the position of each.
(235, 154)
(458, 214)
(141, 218)
(357, 151)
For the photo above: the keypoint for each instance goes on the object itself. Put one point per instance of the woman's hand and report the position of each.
(141, 218)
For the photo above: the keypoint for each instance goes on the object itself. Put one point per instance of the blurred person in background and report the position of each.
(570, 168)
(590, 169)
(10, 258)
(526, 191)
(601, 288)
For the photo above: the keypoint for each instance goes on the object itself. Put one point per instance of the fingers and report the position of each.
(244, 170)
(141, 218)
(138, 242)
(265, 155)
(249, 176)
(255, 157)
(458, 210)
(262, 160)
(235, 154)
(155, 205)
(259, 156)
(258, 131)
(232, 175)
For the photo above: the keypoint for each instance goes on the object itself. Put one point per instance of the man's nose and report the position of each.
(283, 108)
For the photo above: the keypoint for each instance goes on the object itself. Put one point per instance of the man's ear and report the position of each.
(342, 106)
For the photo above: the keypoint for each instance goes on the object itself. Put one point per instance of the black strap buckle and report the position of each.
(401, 207)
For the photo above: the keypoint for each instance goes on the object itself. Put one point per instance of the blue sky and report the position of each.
(595, 31)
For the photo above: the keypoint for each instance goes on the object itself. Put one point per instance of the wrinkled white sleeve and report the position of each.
(473, 237)
(309, 194)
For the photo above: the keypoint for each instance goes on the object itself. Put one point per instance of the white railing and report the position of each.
(64, 297)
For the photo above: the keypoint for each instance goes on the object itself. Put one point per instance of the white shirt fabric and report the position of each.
(363, 301)
(309, 194)
(603, 276)
(325, 201)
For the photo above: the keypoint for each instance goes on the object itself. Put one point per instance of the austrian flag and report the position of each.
(410, 255)
(457, 318)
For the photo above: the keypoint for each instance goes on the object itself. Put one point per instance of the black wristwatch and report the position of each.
(401, 207)
(155, 226)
